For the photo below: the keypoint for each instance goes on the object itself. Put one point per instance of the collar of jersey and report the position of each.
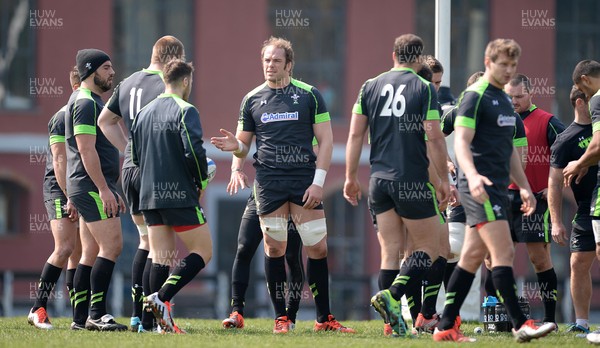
(155, 72)
(83, 89)
(403, 69)
(528, 112)
(169, 95)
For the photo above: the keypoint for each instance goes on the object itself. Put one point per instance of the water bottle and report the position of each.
(489, 312)
(501, 319)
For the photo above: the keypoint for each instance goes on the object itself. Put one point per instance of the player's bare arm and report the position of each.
(522, 152)
(555, 196)
(239, 144)
(438, 154)
(314, 194)
(517, 175)
(59, 162)
(238, 179)
(577, 169)
(108, 122)
(356, 137)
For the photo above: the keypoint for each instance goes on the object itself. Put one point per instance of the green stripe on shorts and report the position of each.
(489, 212)
(200, 216)
(99, 204)
(547, 226)
(435, 203)
(58, 208)
(596, 205)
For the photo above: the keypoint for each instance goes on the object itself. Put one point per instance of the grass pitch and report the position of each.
(16, 332)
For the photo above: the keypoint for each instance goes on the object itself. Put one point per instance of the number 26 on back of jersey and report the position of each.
(395, 103)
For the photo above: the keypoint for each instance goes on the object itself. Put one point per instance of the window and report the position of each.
(139, 23)
(317, 31)
(13, 206)
(577, 37)
(16, 49)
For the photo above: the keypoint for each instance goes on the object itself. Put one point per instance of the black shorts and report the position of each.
(494, 209)
(56, 208)
(189, 216)
(90, 207)
(456, 214)
(409, 200)
(582, 240)
(533, 228)
(250, 211)
(373, 216)
(272, 194)
(250, 214)
(130, 181)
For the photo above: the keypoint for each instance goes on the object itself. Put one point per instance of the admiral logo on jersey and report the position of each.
(279, 116)
(506, 120)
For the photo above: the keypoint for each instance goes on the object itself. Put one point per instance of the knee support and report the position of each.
(456, 234)
(142, 230)
(275, 227)
(312, 232)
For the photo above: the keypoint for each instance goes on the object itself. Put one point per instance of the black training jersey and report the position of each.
(449, 116)
(595, 111)
(447, 120)
(397, 103)
(282, 120)
(488, 110)
(56, 133)
(166, 144)
(82, 118)
(569, 146)
(131, 95)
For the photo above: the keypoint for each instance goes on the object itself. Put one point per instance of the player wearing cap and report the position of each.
(93, 171)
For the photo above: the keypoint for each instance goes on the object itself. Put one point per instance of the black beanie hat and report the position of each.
(89, 60)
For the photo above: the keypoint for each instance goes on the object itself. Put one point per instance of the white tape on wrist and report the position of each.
(320, 175)
(240, 148)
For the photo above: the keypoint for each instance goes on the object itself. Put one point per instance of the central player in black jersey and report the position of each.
(286, 114)
(569, 146)
(484, 131)
(586, 76)
(401, 110)
(249, 238)
(172, 185)
(93, 171)
(456, 213)
(128, 98)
